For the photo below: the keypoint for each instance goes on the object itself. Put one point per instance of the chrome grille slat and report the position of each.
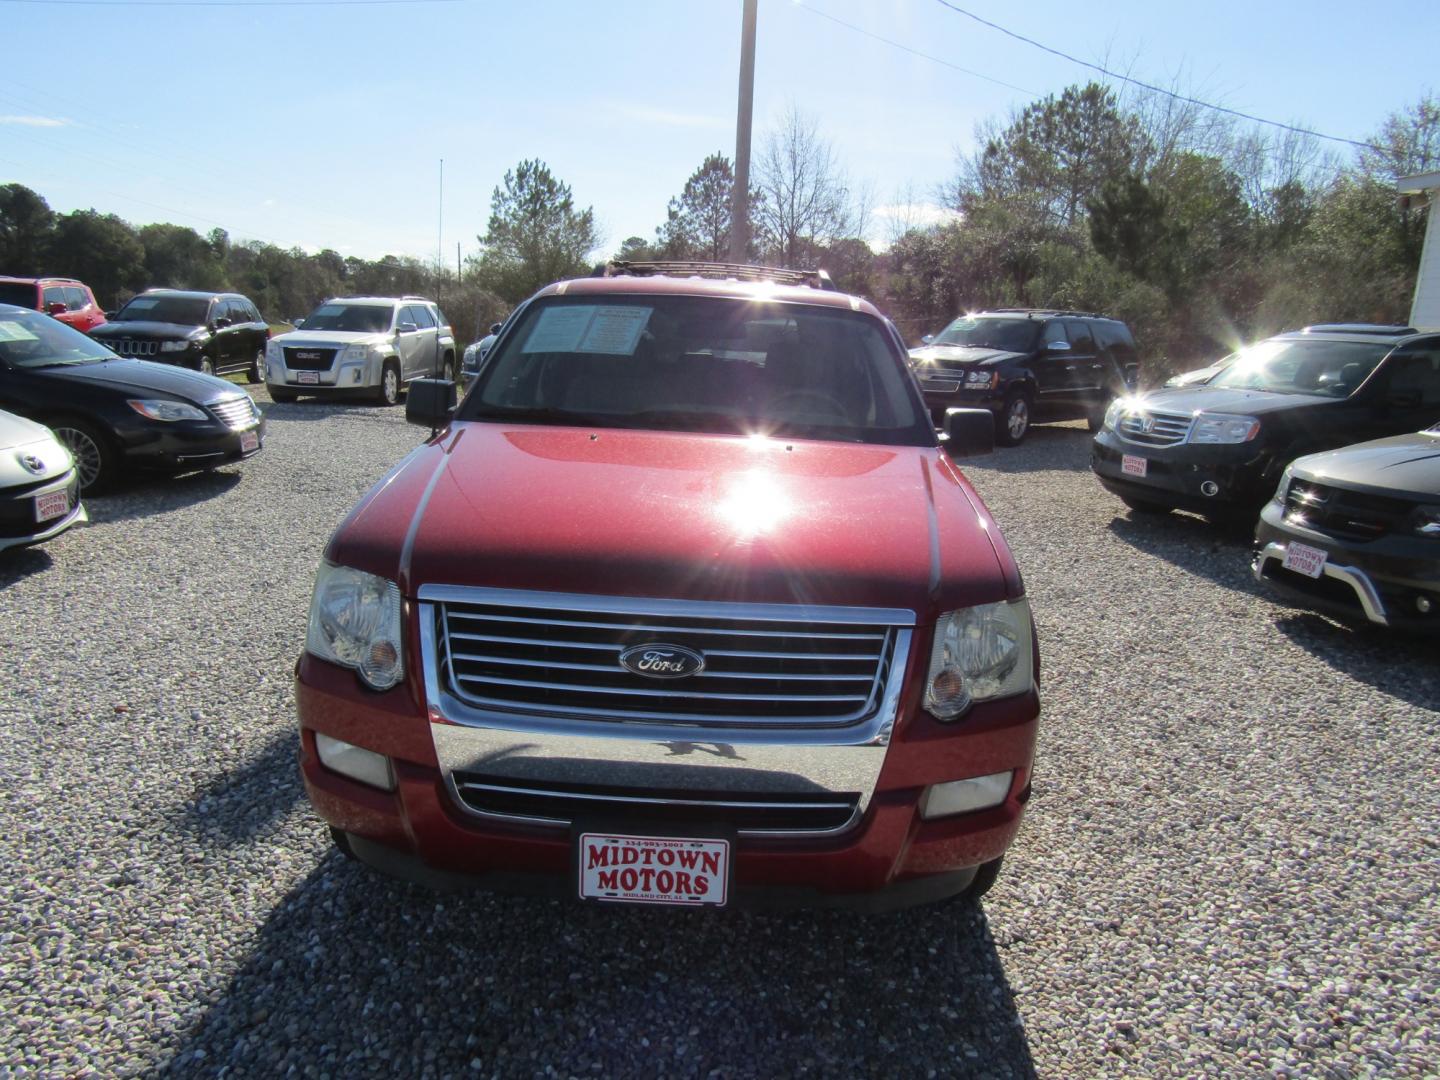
(234, 413)
(554, 656)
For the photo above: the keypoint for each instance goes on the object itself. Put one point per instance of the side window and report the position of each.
(440, 319)
(75, 298)
(1113, 339)
(1055, 331)
(54, 294)
(1417, 372)
(253, 312)
(407, 315)
(1080, 339)
(423, 318)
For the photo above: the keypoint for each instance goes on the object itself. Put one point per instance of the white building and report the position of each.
(1420, 190)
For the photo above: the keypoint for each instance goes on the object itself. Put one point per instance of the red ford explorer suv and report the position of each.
(684, 603)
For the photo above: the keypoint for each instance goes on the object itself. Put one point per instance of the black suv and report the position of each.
(1221, 447)
(211, 332)
(1027, 365)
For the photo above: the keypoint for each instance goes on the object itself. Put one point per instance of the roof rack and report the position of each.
(1378, 329)
(1047, 312)
(815, 279)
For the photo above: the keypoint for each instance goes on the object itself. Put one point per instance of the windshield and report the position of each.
(33, 341)
(21, 293)
(1300, 366)
(352, 318)
(707, 364)
(180, 310)
(1008, 335)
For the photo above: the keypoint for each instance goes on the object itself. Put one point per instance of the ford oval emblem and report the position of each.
(657, 661)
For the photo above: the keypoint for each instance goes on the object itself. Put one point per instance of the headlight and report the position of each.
(1116, 410)
(1427, 521)
(980, 653)
(1224, 429)
(175, 346)
(1282, 487)
(167, 410)
(272, 350)
(355, 622)
(980, 380)
(360, 351)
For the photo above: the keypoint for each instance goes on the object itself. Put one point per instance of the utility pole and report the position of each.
(440, 226)
(740, 194)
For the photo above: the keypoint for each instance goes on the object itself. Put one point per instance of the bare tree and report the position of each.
(807, 197)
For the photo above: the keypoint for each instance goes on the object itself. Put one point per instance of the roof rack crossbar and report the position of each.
(815, 279)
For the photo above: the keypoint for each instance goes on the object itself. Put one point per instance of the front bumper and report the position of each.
(186, 445)
(1386, 582)
(18, 527)
(340, 377)
(885, 856)
(1185, 476)
(942, 393)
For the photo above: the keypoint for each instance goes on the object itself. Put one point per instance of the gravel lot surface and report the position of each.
(1229, 866)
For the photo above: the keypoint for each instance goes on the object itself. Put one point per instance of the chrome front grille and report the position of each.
(132, 347)
(1150, 428)
(778, 666)
(235, 413)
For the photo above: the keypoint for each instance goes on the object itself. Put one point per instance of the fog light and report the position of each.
(963, 796)
(355, 762)
(1423, 605)
(1210, 488)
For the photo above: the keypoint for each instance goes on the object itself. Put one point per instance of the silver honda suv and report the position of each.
(370, 346)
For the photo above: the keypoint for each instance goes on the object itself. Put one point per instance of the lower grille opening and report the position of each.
(747, 812)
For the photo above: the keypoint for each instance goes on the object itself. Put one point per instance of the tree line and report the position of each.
(1198, 231)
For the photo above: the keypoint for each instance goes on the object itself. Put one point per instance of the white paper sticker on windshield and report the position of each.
(588, 328)
(13, 331)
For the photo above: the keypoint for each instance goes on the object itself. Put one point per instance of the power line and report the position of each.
(1156, 89)
(912, 52)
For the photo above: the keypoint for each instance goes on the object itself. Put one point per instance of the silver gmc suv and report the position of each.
(366, 345)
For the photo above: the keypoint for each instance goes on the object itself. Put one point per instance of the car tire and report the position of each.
(256, 374)
(1096, 420)
(388, 392)
(206, 366)
(447, 368)
(280, 396)
(1013, 422)
(1142, 506)
(96, 458)
(984, 881)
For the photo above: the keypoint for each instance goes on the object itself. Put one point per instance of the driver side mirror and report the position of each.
(430, 403)
(407, 328)
(222, 322)
(495, 328)
(1058, 346)
(926, 339)
(55, 308)
(969, 432)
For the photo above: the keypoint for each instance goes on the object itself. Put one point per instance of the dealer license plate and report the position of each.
(311, 377)
(52, 504)
(679, 870)
(1131, 465)
(249, 440)
(1304, 559)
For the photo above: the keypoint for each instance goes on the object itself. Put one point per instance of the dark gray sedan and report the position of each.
(1356, 532)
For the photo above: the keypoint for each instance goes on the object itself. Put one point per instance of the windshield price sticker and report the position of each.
(1131, 465)
(1304, 559)
(13, 331)
(654, 869)
(588, 328)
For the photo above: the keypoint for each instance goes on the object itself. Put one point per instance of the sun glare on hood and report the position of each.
(755, 504)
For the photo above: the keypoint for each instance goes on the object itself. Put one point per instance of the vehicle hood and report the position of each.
(1403, 466)
(961, 355)
(664, 514)
(329, 339)
(1220, 399)
(24, 445)
(152, 331)
(141, 377)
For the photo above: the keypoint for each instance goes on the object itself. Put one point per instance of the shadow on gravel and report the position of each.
(1404, 667)
(150, 495)
(247, 804)
(1045, 449)
(16, 564)
(1216, 552)
(354, 974)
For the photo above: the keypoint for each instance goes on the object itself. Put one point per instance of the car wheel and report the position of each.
(1013, 423)
(447, 369)
(257, 367)
(281, 397)
(389, 391)
(1095, 421)
(206, 366)
(1141, 506)
(95, 455)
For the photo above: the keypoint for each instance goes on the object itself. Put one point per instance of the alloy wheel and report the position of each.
(89, 458)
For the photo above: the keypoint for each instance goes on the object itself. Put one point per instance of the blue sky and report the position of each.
(324, 126)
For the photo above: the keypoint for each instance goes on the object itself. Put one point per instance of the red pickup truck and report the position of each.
(684, 603)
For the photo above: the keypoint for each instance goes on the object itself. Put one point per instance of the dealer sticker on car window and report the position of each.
(13, 331)
(1304, 559)
(588, 328)
(654, 869)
